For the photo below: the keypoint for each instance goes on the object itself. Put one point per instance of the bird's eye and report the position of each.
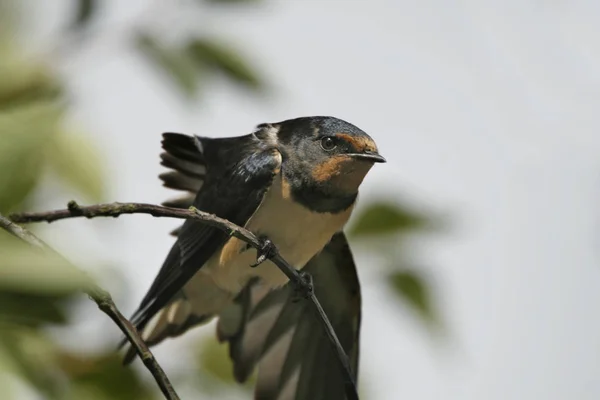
(328, 143)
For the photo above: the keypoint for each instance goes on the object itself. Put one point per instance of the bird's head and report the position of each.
(325, 160)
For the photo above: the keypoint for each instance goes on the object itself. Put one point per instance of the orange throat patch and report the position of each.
(342, 172)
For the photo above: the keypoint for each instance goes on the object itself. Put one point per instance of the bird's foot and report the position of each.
(266, 251)
(304, 291)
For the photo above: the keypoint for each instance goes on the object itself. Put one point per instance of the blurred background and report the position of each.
(476, 243)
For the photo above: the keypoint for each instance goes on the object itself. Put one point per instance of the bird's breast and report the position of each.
(298, 233)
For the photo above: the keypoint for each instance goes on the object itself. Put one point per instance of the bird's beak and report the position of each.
(368, 156)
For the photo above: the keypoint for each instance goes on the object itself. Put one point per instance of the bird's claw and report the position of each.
(266, 251)
(302, 292)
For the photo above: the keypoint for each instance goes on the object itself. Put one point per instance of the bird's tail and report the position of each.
(171, 321)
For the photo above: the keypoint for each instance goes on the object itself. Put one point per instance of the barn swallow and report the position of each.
(296, 183)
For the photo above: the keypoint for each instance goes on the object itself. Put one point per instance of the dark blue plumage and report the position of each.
(237, 177)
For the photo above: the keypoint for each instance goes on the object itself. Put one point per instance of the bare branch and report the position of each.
(299, 280)
(107, 305)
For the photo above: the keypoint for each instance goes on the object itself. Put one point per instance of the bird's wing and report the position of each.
(283, 337)
(231, 176)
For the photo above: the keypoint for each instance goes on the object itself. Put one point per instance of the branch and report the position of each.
(107, 305)
(297, 279)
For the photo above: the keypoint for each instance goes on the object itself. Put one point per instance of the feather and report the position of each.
(286, 341)
(239, 174)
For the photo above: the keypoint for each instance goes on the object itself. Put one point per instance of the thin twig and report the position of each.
(296, 278)
(105, 303)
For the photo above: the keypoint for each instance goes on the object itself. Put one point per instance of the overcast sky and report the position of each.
(486, 112)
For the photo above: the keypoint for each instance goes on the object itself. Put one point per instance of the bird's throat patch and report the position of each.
(332, 167)
(341, 173)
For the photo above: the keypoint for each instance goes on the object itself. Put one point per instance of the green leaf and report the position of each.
(23, 84)
(7, 382)
(24, 268)
(414, 290)
(75, 160)
(101, 377)
(214, 359)
(219, 57)
(8, 19)
(32, 309)
(23, 81)
(29, 354)
(176, 64)
(385, 218)
(84, 12)
(24, 134)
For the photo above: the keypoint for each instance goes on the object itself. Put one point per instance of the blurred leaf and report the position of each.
(24, 134)
(414, 290)
(385, 218)
(7, 21)
(217, 56)
(7, 388)
(216, 369)
(75, 161)
(102, 377)
(34, 285)
(84, 12)
(174, 62)
(31, 309)
(214, 359)
(29, 354)
(24, 268)
(22, 84)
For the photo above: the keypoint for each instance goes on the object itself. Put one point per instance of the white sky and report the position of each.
(485, 111)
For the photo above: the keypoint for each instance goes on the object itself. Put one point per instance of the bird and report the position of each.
(295, 183)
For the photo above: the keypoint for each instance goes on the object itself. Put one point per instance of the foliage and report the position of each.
(36, 144)
(34, 289)
(213, 55)
(84, 12)
(414, 290)
(215, 363)
(174, 63)
(34, 139)
(386, 218)
(199, 59)
(389, 225)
